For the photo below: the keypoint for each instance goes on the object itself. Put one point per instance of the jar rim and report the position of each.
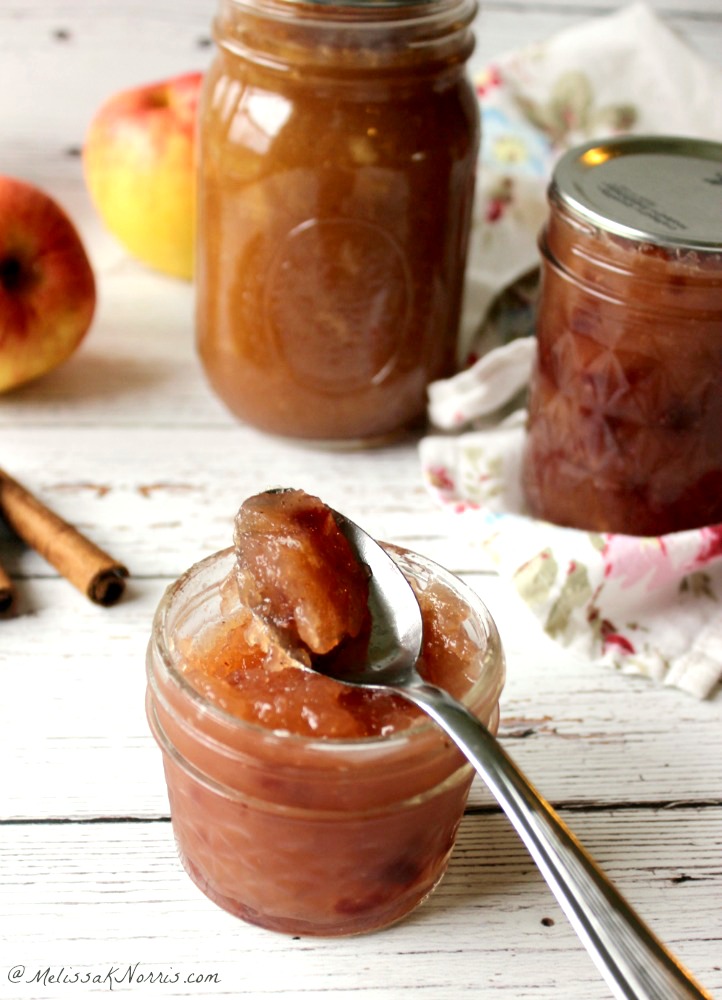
(489, 684)
(360, 12)
(366, 4)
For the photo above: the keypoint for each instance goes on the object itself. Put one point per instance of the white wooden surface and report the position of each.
(126, 441)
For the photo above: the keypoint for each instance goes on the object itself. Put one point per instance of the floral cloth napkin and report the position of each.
(650, 606)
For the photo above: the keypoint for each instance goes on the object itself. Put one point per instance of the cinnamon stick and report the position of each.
(7, 592)
(95, 573)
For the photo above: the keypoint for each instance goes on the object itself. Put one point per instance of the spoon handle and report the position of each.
(635, 965)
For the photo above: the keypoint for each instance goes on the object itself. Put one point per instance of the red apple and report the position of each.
(47, 288)
(139, 159)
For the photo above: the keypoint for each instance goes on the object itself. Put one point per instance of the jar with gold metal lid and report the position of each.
(338, 144)
(625, 414)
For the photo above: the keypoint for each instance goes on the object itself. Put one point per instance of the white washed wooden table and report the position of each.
(126, 441)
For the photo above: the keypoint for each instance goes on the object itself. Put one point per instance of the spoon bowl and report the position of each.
(394, 646)
(634, 963)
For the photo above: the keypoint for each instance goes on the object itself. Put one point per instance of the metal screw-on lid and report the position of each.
(658, 189)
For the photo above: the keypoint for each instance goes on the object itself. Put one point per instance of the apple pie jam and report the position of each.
(299, 803)
(338, 145)
(625, 414)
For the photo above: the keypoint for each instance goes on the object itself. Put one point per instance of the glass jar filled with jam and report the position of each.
(298, 803)
(338, 144)
(625, 412)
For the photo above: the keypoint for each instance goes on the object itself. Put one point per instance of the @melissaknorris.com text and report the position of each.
(112, 977)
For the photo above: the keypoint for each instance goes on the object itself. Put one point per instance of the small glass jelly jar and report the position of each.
(625, 411)
(338, 144)
(299, 834)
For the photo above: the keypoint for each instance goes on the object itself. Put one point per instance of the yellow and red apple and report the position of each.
(47, 286)
(139, 161)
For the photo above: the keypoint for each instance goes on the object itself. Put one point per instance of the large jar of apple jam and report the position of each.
(625, 414)
(338, 144)
(300, 804)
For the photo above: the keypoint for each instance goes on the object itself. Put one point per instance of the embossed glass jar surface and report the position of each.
(337, 155)
(625, 409)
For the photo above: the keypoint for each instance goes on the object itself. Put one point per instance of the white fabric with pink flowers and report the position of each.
(650, 606)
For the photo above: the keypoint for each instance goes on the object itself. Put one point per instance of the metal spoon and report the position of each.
(635, 965)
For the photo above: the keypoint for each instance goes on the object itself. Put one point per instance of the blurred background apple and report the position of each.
(47, 286)
(139, 161)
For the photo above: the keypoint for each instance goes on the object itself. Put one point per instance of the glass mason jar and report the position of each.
(305, 834)
(338, 144)
(625, 410)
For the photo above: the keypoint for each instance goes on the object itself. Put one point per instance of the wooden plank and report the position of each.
(72, 719)
(162, 497)
(99, 896)
(68, 45)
